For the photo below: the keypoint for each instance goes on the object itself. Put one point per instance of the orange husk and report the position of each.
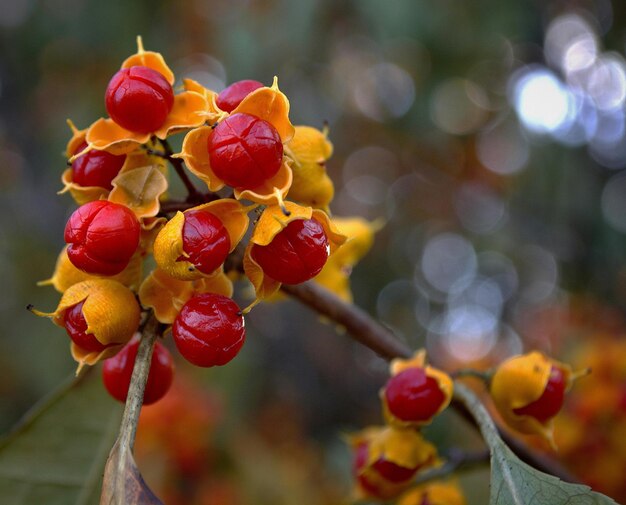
(66, 274)
(195, 153)
(271, 105)
(213, 113)
(168, 245)
(310, 149)
(434, 493)
(167, 295)
(110, 310)
(444, 382)
(273, 220)
(140, 190)
(149, 59)
(520, 381)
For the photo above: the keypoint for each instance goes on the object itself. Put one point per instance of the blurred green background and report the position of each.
(490, 136)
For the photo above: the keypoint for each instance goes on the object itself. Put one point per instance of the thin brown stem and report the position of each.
(134, 400)
(363, 328)
(456, 460)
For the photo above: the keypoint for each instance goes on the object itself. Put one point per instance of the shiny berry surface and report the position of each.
(551, 400)
(230, 97)
(139, 99)
(96, 168)
(76, 328)
(412, 396)
(245, 151)
(205, 240)
(209, 330)
(102, 237)
(117, 372)
(298, 253)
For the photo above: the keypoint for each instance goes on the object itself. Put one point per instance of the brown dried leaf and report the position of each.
(123, 483)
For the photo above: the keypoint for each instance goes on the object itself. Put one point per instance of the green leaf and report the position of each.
(513, 482)
(56, 455)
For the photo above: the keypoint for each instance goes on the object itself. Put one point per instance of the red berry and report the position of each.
(296, 254)
(392, 472)
(550, 401)
(209, 330)
(96, 168)
(205, 240)
(117, 372)
(76, 328)
(245, 151)
(102, 237)
(412, 396)
(139, 99)
(230, 97)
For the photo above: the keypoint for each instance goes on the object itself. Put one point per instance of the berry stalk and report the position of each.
(194, 194)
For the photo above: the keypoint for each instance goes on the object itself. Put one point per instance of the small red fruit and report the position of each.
(230, 97)
(205, 240)
(296, 254)
(102, 237)
(117, 372)
(209, 330)
(412, 396)
(139, 99)
(550, 402)
(96, 168)
(76, 327)
(245, 151)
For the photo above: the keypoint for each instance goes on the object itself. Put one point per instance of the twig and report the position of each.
(363, 328)
(134, 400)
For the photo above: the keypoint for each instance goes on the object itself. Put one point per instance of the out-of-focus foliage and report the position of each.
(489, 137)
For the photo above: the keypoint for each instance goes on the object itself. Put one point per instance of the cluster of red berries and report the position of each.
(387, 459)
(118, 175)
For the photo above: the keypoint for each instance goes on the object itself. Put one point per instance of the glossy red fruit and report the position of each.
(392, 472)
(209, 330)
(96, 168)
(102, 237)
(550, 402)
(205, 240)
(117, 372)
(412, 396)
(139, 99)
(298, 253)
(230, 97)
(245, 151)
(76, 328)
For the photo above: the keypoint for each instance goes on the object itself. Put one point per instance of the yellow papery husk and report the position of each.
(149, 59)
(106, 134)
(150, 228)
(271, 105)
(66, 274)
(335, 276)
(110, 310)
(273, 190)
(140, 190)
(168, 245)
(189, 111)
(78, 137)
(310, 149)
(272, 221)
(85, 194)
(434, 493)
(518, 382)
(444, 382)
(213, 113)
(195, 153)
(166, 295)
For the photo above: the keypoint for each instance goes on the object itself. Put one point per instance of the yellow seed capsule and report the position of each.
(100, 316)
(528, 391)
(435, 493)
(386, 460)
(310, 149)
(194, 244)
